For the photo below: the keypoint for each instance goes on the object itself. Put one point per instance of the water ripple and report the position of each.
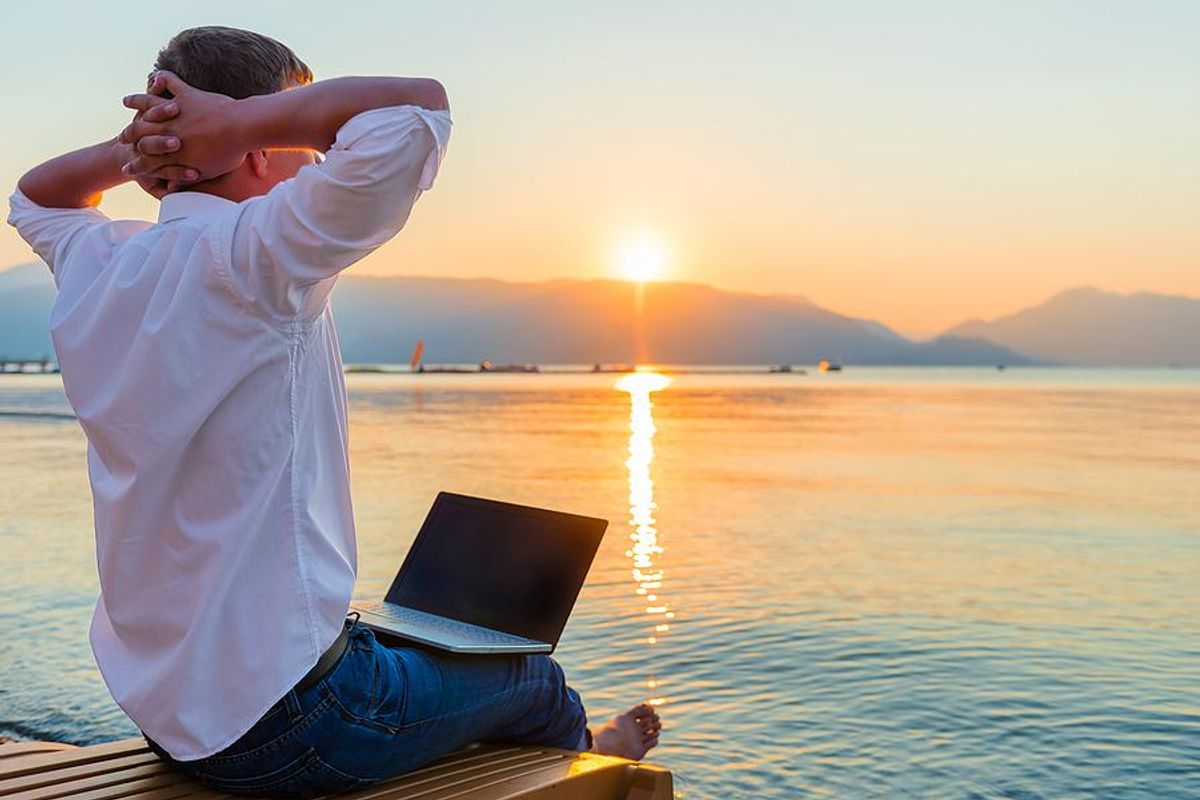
(900, 587)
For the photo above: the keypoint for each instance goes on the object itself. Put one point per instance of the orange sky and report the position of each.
(917, 165)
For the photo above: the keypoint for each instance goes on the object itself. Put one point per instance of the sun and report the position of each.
(641, 258)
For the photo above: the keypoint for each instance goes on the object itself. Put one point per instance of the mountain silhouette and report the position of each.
(580, 322)
(563, 322)
(1091, 327)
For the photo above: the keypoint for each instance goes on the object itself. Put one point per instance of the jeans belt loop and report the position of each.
(291, 702)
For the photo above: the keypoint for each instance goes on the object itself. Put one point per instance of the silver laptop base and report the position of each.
(442, 632)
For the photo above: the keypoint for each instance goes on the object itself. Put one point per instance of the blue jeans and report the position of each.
(382, 711)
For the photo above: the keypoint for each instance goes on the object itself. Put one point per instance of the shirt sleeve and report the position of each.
(51, 232)
(288, 244)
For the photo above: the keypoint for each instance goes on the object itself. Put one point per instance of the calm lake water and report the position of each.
(879, 583)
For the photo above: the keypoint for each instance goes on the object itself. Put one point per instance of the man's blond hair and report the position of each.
(232, 62)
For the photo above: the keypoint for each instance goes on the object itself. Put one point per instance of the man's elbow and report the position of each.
(30, 186)
(41, 188)
(432, 95)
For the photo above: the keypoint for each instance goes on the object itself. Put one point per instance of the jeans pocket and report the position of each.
(367, 688)
(305, 777)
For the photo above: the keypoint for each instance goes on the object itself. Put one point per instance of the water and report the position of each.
(909, 582)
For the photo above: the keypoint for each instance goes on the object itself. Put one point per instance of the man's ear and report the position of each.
(258, 162)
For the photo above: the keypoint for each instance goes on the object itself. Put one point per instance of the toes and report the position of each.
(651, 720)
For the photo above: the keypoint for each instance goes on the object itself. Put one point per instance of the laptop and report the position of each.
(488, 577)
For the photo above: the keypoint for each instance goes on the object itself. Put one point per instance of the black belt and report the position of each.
(326, 661)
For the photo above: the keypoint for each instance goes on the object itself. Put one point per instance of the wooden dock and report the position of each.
(28, 366)
(129, 771)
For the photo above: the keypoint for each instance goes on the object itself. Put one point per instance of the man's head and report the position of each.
(232, 62)
(239, 64)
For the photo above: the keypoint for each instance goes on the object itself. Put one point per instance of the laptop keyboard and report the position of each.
(464, 631)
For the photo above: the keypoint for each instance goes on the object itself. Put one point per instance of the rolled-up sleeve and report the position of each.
(51, 232)
(332, 214)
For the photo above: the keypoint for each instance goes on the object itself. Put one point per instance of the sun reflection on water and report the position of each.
(645, 551)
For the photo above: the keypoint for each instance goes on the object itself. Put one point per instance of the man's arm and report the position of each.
(311, 116)
(216, 132)
(78, 179)
(383, 146)
(55, 203)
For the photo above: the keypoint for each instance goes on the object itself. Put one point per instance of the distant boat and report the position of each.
(787, 369)
(829, 366)
(612, 368)
(488, 366)
(415, 363)
(422, 369)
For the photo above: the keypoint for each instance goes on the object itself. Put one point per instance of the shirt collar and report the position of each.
(178, 205)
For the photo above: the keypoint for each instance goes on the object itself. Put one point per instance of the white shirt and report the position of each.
(200, 356)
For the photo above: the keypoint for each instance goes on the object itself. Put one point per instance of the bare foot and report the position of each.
(629, 735)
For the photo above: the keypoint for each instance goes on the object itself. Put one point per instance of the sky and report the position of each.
(915, 163)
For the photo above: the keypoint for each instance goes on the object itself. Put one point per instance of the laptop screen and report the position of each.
(511, 568)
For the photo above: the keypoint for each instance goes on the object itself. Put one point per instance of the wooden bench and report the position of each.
(127, 770)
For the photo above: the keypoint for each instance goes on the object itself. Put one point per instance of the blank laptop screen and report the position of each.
(505, 567)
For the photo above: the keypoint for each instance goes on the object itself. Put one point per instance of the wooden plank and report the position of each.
(47, 777)
(650, 783)
(26, 749)
(454, 771)
(605, 784)
(102, 788)
(129, 771)
(522, 775)
(79, 755)
(187, 790)
(471, 755)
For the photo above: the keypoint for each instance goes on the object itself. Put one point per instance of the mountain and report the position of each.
(583, 322)
(26, 294)
(1091, 327)
(562, 321)
(953, 351)
(25, 276)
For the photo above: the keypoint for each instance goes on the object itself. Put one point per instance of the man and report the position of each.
(200, 355)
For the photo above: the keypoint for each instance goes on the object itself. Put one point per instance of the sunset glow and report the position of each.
(881, 173)
(645, 551)
(780, 399)
(641, 259)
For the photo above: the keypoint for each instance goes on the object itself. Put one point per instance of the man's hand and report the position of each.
(213, 133)
(155, 109)
(193, 136)
(79, 179)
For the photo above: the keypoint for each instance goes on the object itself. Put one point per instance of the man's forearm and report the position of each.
(213, 133)
(77, 179)
(310, 116)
